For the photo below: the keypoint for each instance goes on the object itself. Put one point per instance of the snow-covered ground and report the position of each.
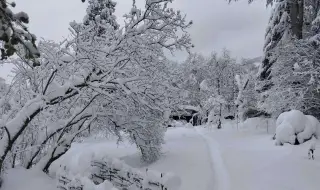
(234, 158)
(253, 162)
(185, 154)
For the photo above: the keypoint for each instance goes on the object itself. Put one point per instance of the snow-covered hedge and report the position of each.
(295, 128)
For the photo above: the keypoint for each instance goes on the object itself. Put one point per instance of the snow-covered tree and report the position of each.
(277, 32)
(220, 87)
(193, 72)
(115, 80)
(209, 85)
(247, 97)
(100, 12)
(294, 61)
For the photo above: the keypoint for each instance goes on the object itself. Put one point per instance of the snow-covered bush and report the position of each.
(294, 117)
(312, 127)
(285, 133)
(295, 128)
(148, 139)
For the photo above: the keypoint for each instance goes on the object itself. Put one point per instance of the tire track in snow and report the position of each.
(221, 177)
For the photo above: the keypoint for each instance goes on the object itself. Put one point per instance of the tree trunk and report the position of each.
(297, 16)
(220, 105)
(219, 121)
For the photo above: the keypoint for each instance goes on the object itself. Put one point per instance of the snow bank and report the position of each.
(175, 123)
(294, 125)
(259, 123)
(22, 179)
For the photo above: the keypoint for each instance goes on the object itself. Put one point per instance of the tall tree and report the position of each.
(116, 80)
(278, 31)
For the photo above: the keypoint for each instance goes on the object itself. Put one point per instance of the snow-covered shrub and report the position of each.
(294, 117)
(312, 127)
(149, 139)
(295, 128)
(285, 133)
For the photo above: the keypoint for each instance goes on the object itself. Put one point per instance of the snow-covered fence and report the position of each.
(124, 177)
(117, 173)
(66, 183)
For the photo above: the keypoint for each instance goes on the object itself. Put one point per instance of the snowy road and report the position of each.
(221, 176)
(251, 161)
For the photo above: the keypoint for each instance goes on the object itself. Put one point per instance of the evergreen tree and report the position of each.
(14, 34)
(277, 31)
(101, 13)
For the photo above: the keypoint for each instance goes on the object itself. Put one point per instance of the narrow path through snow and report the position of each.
(221, 178)
(187, 155)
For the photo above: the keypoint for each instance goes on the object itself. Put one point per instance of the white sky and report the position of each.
(238, 26)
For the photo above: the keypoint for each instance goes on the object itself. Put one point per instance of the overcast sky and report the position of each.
(238, 26)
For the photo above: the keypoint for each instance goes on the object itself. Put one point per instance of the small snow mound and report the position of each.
(177, 123)
(188, 125)
(171, 181)
(105, 186)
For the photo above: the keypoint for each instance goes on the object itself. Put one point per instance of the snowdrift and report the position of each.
(32, 179)
(23, 179)
(295, 128)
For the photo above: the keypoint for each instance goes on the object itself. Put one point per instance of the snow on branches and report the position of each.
(113, 80)
(14, 34)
